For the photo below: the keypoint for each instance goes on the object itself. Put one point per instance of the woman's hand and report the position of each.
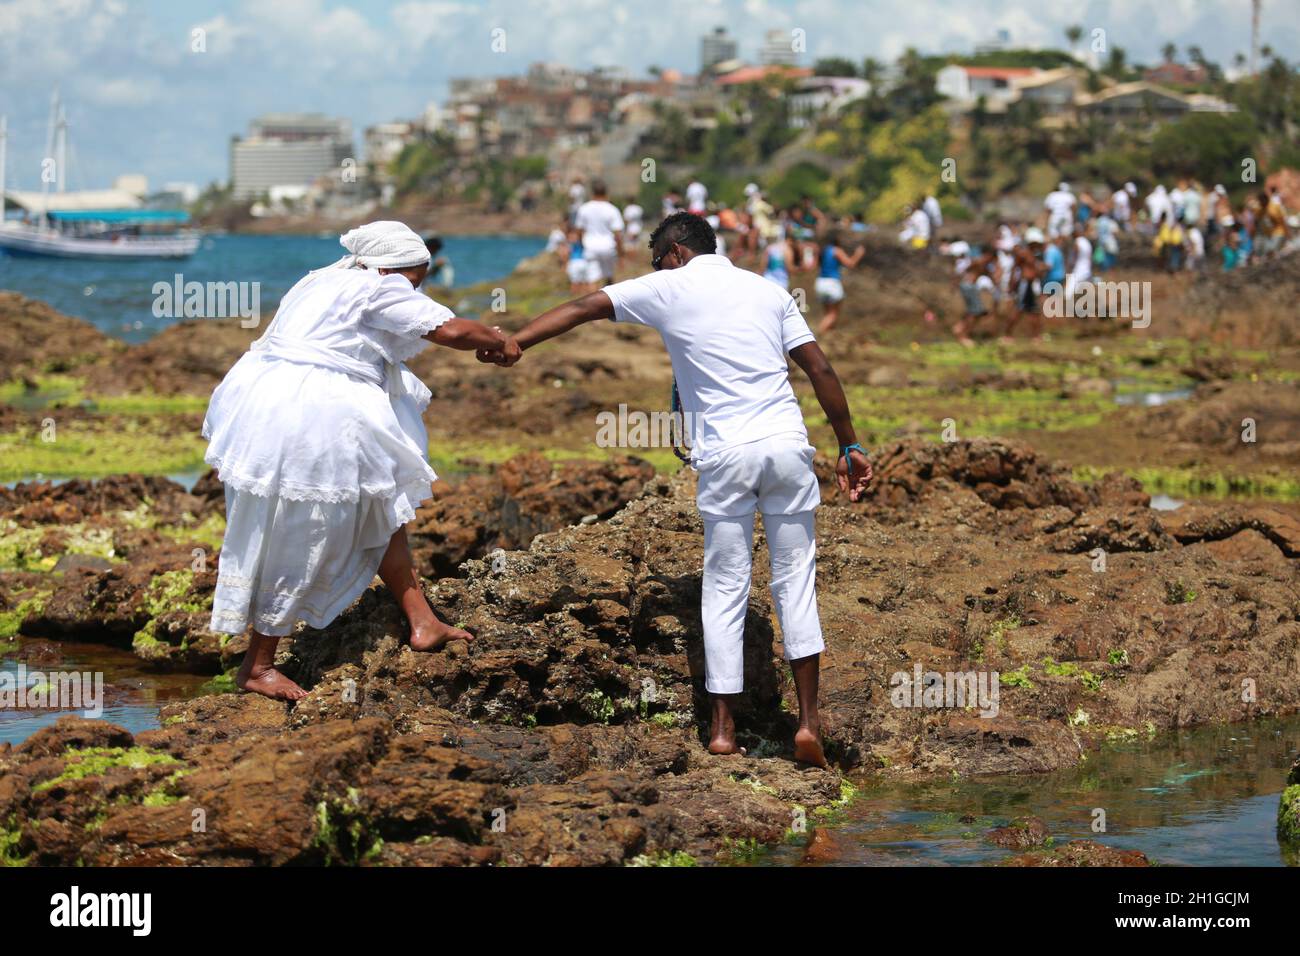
(506, 355)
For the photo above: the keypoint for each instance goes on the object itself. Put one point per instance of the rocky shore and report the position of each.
(569, 731)
(1018, 539)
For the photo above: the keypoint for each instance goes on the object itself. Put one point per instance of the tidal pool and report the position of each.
(1206, 796)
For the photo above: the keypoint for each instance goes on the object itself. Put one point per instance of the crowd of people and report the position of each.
(594, 236)
(1077, 240)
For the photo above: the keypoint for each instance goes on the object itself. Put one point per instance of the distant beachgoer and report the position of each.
(633, 216)
(1121, 202)
(1195, 248)
(934, 211)
(600, 223)
(577, 196)
(441, 272)
(557, 241)
(1081, 265)
(974, 284)
(576, 267)
(1060, 210)
(317, 437)
(1027, 281)
(829, 285)
(1158, 206)
(697, 197)
(1107, 241)
(1170, 244)
(776, 266)
(1230, 256)
(916, 228)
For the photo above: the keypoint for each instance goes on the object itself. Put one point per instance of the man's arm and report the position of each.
(557, 321)
(830, 394)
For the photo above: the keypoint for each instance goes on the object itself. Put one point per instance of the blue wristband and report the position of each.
(844, 453)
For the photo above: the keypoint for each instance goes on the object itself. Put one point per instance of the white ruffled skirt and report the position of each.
(320, 469)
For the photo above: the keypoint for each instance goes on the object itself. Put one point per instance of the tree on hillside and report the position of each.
(835, 66)
(1208, 146)
(1117, 63)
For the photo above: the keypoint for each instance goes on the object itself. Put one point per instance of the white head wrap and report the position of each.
(382, 245)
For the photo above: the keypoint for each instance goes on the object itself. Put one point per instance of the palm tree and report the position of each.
(1170, 52)
(1074, 33)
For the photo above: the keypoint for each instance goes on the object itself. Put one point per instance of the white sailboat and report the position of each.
(87, 225)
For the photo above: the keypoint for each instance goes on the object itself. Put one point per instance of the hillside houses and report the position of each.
(1064, 95)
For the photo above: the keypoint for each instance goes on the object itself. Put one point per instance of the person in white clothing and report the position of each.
(600, 223)
(1060, 210)
(316, 435)
(1159, 206)
(1081, 266)
(633, 216)
(1122, 207)
(697, 197)
(728, 332)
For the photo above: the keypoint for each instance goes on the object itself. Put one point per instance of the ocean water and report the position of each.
(118, 297)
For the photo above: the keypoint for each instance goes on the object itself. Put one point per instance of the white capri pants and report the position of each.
(776, 477)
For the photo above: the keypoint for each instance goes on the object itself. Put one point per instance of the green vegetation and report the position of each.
(12, 619)
(166, 592)
(663, 858)
(598, 706)
(1017, 678)
(1288, 815)
(342, 833)
(1176, 592)
(93, 448)
(10, 838)
(97, 761)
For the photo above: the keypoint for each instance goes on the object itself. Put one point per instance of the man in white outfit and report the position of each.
(728, 332)
(1060, 208)
(601, 225)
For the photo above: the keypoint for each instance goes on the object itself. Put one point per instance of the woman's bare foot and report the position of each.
(808, 748)
(268, 682)
(430, 637)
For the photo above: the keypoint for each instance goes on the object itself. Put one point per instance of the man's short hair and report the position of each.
(685, 229)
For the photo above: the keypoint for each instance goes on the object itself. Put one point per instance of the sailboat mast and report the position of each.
(61, 138)
(4, 154)
(49, 156)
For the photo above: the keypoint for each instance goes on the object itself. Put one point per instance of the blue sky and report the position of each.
(139, 100)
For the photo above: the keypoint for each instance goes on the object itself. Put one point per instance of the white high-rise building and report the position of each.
(716, 47)
(288, 149)
(778, 49)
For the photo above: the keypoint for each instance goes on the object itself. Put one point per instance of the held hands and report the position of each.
(505, 354)
(857, 485)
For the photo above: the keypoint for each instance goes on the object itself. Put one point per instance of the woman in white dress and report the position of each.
(317, 437)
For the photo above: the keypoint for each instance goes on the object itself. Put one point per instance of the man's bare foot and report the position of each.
(723, 746)
(269, 682)
(808, 748)
(433, 636)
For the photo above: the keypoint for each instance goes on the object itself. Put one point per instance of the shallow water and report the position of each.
(132, 692)
(1199, 797)
(118, 297)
